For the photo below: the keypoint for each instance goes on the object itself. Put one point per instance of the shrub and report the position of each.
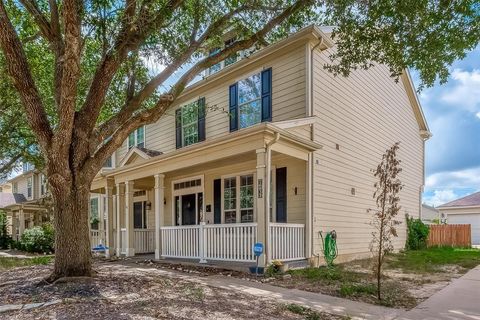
(5, 239)
(417, 234)
(38, 239)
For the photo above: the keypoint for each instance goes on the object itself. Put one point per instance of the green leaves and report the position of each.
(424, 35)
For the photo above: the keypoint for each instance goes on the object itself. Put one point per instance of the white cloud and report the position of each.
(440, 197)
(465, 92)
(478, 115)
(461, 179)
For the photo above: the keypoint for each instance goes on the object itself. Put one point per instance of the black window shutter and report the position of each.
(201, 119)
(267, 95)
(217, 201)
(281, 194)
(178, 127)
(233, 107)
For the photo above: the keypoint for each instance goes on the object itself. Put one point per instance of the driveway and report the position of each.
(459, 300)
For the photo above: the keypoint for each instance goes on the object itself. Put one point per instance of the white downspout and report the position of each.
(268, 179)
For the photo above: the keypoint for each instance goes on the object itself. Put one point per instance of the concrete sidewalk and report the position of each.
(459, 300)
(315, 301)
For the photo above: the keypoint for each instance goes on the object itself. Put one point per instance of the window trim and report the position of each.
(135, 135)
(193, 123)
(237, 176)
(191, 190)
(30, 188)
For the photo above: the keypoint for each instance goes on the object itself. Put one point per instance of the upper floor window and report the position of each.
(225, 63)
(27, 166)
(43, 184)
(109, 162)
(15, 187)
(251, 100)
(190, 123)
(137, 138)
(29, 187)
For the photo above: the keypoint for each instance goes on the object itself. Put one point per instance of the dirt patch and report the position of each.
(355, 281)
(124, 292)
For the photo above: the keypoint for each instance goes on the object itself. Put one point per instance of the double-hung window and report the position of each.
(26, 166)
(190, 123)
(250, 100)
(15, 187)
(29, 187)
(137, 138)
(238, 198)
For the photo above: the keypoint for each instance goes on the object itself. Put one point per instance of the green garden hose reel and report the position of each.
(329, 246)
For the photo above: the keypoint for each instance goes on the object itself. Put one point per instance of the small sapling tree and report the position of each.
(387, 188)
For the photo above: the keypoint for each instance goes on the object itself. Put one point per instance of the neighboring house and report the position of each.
(430, 215)
(23, 202)
(271, 149)
(465, 210)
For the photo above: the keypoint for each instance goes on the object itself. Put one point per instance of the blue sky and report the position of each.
(453, 114)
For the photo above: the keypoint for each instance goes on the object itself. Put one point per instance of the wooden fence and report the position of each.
(454, 235)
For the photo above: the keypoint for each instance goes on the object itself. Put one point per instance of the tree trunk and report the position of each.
(72, 234)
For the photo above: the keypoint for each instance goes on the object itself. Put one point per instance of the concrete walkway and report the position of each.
(459, 300)
(315, 301)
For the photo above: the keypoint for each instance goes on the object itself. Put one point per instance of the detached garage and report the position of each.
(465, 210)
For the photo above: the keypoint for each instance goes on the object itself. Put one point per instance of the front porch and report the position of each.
(210, 206)
(25, 216)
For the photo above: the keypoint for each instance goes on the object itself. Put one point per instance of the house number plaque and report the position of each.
(260, 188)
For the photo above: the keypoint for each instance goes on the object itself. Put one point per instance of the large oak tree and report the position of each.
(78, 76)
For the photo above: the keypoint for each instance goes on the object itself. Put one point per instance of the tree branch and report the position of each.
(129, 39)
(19, 70)
(152, 115)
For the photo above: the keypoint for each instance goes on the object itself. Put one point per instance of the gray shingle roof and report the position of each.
(7, 199)
(467, 201)
(150, 152)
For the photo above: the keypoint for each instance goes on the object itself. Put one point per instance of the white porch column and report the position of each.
(14, 226)
(261, 196)
(101, 216)
(109, 218)
(130, 245)
(159, 212)
(21, 222)
(120, 213)
(309, 207)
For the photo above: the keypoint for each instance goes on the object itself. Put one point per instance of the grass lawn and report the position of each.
(433, 259)
(9, 263)
(410, 277)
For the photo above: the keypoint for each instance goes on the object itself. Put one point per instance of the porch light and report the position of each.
(148, 205)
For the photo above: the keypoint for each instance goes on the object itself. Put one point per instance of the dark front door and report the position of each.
(281, 194)
(139, 215)
(188, 209)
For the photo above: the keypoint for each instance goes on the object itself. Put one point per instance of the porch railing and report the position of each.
(181, 242)
(287, 241)
(228, 242)
(97, 237)
(144, 240)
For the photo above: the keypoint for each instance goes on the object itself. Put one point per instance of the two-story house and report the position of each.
(21, 198)
(269, 148)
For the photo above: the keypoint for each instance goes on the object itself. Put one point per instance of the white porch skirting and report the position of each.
(231, 242)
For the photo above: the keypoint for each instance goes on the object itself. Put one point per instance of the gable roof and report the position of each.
(471, 200)
(135, 152)
(7, 199)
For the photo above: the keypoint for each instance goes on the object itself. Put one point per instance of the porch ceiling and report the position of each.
(240, 146)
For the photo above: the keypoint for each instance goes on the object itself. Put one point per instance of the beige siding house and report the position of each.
(271, 148)
(21, 198)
